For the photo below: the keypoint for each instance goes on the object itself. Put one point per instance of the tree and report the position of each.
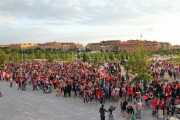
(162, 53)
(50, 57)
(29, 51)
(106, 56)
(42, 56)
(3, 58)
(160, 50)
(96, 57)
(85, 57)
(111, 56)
(63, 56)
(119, 57)
(68, 57)
(127, 56)
(87, 49)
(25, 56)
(38, 48)
(15, 57)
(78, 56)
(139, 64)
(7, 51)
(123, 56)
(101, 50)
(32, 56)
(130, 55)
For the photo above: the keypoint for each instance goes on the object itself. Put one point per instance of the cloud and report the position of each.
(91, 20)
(152, 29)
(95, 12)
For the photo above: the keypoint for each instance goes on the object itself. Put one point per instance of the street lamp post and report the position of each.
(104, 68)
(22, 56)
(76, 56)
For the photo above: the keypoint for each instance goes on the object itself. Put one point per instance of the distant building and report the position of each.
(165, 45)
(175, 47)
(23, 46)
(104, 45)
(4, 45)
(117, 45)
(57, 45)
(128, 45)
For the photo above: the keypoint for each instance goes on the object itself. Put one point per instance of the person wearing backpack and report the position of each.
(139, 108)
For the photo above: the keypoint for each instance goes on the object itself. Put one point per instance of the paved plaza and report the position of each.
(35, 105)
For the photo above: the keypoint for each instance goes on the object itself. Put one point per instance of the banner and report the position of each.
(106, 64)
(102, 74)
(133, 76)
(176, 66)
(101, 67)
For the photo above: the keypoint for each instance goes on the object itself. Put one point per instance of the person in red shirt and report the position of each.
(167, 88)
(54, 83)
(162, 105)
(130, 91)
(154, 105)
(100, 96)
(19, 82)
(157, 102)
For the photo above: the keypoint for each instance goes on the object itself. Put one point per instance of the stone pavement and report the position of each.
(35, 105)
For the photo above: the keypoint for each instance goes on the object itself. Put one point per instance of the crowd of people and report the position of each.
(83, 81)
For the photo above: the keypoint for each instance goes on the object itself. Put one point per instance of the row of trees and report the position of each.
(70, 55)
(167, 52)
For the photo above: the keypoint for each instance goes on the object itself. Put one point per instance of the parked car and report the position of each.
(123, 62)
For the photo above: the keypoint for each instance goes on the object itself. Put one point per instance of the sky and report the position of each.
(89, 21)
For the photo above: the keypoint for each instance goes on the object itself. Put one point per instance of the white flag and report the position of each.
(101, 67)
(106, 64)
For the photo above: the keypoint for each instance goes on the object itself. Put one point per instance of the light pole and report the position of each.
(22, 56)
(104, 68)
(90, 56)
(76, 56)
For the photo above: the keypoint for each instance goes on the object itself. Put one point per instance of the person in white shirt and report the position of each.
(139, 108)
(117, 89)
